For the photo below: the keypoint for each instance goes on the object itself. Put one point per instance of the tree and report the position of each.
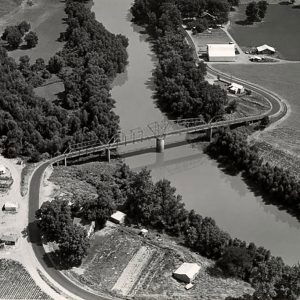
(99, 209)
(262, 8)
(53, 219)
(236, 262)
(13, 37)
(73, 246)
(23, 27)
(55, 64)
(31, 39)
(252, 12)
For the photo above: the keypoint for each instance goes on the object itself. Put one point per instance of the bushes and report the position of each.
(31, 39)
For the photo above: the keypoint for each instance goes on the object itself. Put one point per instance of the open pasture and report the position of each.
(282, 79)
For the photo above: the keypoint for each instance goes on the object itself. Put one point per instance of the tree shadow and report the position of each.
(24, 47)
(244, 22)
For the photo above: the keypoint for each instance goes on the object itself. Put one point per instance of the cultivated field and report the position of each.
(16, 283)
(283, 79)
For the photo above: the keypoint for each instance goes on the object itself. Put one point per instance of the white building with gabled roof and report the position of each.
(265, 49)
(187, 272)
(118, 217)
(221, 52)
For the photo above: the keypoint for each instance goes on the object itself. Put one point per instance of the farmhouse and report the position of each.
(187, 272)
(9, 206)
(118, 217)
(221, 52)
(235, 88)
(9, 239)
(2, 170)
(265, 49)
(89, 227)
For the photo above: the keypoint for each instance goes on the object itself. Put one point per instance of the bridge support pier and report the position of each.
(160, 145)
(209, 134)
(107, 154)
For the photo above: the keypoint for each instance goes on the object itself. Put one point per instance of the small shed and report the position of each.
(265, 49)
(236, 88)
(221, 52)
(143, 232)
(118, 217)
(9, 239)
(2, 170)
(9, 206)
(187, 272)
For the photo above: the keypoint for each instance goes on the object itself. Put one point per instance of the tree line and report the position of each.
(180, 87)
(156, 205)
(92, 56)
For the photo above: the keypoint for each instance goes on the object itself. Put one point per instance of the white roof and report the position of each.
(265, 47)
(188, 269)
(10, 204)
(256, 57)
(236, 86)
(217, 50)
(118, 215)
(144, 230)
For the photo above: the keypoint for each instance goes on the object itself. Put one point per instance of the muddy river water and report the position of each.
(205, 187)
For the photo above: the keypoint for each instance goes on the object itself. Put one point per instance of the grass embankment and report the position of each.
(115, 249)
(16, 283)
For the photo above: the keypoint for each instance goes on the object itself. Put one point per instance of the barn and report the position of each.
(187, 272)
(221, 52)
(118, 217)
(235, 88)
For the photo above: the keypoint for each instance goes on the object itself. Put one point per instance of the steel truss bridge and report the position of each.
(158, 131)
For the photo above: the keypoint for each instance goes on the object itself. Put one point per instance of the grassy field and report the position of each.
(16, 283)
(283, 79)
(123, 264)
(7, 6)
(46, 19)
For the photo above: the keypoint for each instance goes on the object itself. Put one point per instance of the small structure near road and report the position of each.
(118, 217)
(9, 206)
(187, 272)
(143, 232)
(89, 227)
(9, 239)
(255, 58)
(2, 170)
(235, 88)
(221, 52)
(265, 49)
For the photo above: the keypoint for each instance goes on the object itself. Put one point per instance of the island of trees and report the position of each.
(256, 11)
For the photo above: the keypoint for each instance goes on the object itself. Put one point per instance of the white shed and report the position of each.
(118, 217)
(221, 52)
(2, 170)
(236, 88)
(187, 272)
(9, 206)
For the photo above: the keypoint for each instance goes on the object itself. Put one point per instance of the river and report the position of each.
(205, 187)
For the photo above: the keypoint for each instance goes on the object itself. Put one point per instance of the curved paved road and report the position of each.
(35, 239)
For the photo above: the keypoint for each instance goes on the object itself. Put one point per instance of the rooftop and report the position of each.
(225, 50)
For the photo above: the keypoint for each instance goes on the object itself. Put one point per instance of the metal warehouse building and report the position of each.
(221, 52)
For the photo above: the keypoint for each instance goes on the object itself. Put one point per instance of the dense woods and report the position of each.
(181, 90)
(280, 186)
(92, 56)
